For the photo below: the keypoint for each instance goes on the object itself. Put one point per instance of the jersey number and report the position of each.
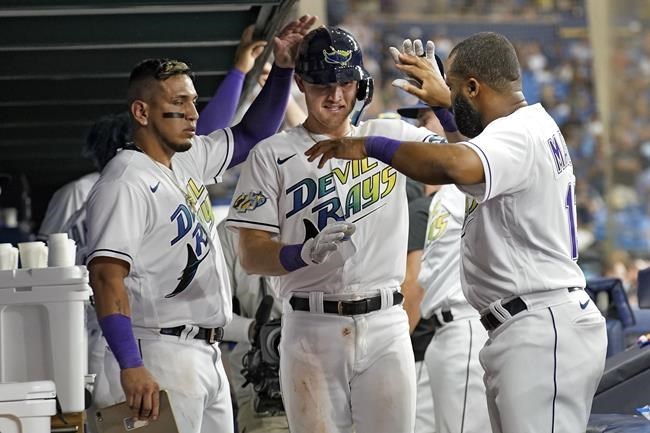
(570, 206)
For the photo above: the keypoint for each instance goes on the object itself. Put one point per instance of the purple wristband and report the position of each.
(118, 333)
(446, 119)
(381, 148)
(290, 257)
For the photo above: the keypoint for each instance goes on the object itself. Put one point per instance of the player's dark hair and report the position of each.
(149, 70)
(105, 137)
(490, 58)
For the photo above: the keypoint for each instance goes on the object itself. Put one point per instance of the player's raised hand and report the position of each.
(317, 250)
(142, 392)
(419, 64)
(287, 41)
(248, 50)
(342, 148)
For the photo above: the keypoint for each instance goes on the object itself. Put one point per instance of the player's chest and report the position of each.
(181, 209)
(341, 190)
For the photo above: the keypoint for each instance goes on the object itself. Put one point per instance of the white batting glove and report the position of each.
(414, 48)
(316, 250)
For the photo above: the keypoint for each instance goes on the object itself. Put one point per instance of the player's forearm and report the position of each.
(438, 164)
(221, 109)
(411, 289)
(413, 294)
(260, 256)
(113, 311)
(265, 114)
(109, 292)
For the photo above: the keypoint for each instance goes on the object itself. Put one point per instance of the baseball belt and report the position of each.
(209, 335)
(346, 308)
(515, 306)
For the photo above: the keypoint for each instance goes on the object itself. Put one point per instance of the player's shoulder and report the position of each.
(521, 122)
(127, 167)
(290, 139)
(398, 129)
(385, 126)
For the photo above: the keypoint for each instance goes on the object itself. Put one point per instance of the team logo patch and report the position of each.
(249, 201)
(337, 57)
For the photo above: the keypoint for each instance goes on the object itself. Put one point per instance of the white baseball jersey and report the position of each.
(138, 212)
(440, 267)
(65, 202)
(519, 234)
(279, 191)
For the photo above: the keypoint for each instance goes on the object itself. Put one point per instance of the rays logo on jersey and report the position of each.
(439, 220)
(337, 57)
(249, 201)
(470, 206)
(368, 183)
(190, 222)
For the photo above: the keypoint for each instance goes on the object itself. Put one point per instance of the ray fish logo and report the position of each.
(249, 201)
(337, 57)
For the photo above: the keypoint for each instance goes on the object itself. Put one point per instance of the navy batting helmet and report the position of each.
(332, 55)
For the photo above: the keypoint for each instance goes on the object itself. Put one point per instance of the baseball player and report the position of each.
(452, 357)
(155, 261)
(547, 342)
(345, 355)
(248, 290)
(105, 137)
(422, 330)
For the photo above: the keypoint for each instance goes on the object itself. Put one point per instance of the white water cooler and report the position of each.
(43, 332)
(26, 407)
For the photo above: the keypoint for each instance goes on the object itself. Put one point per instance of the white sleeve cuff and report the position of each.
(238, 329)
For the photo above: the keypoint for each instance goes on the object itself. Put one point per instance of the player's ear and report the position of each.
(140, 112)
(299, 83)
(473, 87)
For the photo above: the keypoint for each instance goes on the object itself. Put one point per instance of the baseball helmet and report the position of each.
(332, 55)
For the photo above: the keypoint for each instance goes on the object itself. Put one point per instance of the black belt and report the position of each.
(446, 316)
(346, 308)
(515, 306)
(210, 335)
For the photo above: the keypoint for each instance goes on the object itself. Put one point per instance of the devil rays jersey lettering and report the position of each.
(303, 199)
(138, 214)
(520, 236)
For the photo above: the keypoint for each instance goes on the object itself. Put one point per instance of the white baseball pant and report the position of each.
(452, 359)
(542, 366)
(343, 372)
(425, 421)
(192, 373)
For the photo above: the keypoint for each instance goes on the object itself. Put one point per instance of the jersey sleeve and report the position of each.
(212, 154)
(506, 156)
(255, 202)
(116, 222)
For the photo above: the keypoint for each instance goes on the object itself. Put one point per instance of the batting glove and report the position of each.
(316, 250)
(415, 48)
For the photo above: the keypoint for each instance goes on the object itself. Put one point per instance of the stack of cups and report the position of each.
(8, 257)
(33, 255)
(63, 251)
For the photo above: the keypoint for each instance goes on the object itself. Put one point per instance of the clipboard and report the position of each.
(119, 419)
